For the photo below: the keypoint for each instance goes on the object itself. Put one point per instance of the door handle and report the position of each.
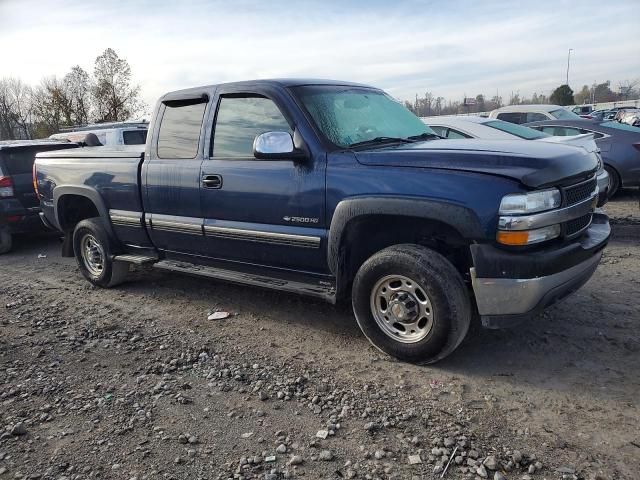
(212, 181)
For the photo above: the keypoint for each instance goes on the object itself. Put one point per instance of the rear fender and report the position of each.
(86, 192)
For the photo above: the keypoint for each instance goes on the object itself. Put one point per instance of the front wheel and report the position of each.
(614, 181)
(94, 251)
(411, 303)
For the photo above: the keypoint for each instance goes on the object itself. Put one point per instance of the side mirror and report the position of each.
(275, 146)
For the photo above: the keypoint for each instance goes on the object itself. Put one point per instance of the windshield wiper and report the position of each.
(381, 140)
(424, 136)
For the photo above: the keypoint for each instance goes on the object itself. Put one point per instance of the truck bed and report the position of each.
(109, 176)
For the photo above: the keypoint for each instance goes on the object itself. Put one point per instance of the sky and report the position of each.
(449, 48)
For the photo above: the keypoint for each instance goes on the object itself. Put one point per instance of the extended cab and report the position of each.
(335, 190)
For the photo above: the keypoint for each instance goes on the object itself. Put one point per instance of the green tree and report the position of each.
(563, 95)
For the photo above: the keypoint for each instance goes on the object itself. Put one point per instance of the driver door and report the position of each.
(264, 212)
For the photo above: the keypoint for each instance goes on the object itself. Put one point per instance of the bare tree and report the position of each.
(16, 109)
(115, 98)
(52, 106)
(627, 88)
(77, 90)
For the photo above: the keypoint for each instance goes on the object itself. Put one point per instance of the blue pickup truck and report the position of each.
(335, 190)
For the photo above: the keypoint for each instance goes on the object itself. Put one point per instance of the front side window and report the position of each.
(564, 114)
(536, 117)
(517, 130)
(179, 134)
(240, 120)
(350, 115)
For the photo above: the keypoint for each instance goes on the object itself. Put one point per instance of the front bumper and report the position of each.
(603, 187)
(511, 287)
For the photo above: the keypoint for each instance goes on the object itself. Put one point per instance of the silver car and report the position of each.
(494, 129)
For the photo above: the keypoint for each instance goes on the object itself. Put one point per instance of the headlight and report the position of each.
(531, 202)
(599, 158)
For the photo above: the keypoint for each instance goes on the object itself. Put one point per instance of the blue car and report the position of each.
(619, 146)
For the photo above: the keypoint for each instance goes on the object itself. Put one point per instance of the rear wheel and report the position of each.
(614, 181)
(411, 303)
(94, 251)
(6, 241)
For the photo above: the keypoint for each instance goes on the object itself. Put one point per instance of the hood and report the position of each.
(534, 164)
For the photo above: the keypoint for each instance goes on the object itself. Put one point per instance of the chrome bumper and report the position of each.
(506, 301)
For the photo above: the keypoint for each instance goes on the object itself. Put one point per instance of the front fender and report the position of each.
(460, 218)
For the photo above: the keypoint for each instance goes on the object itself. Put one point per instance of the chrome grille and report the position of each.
(579, 192)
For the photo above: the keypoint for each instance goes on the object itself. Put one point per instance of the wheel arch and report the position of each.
(84, 200)
(355, 232)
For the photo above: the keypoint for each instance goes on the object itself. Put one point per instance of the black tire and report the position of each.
(111, 273)
(614, 181)
(6, 241)
(444, 287)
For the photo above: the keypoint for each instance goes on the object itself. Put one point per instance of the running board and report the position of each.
(135, 259)
(319, 288)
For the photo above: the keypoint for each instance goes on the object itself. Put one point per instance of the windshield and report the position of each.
(350, 115)
(621, 126)
(564, 114)
(517, 130)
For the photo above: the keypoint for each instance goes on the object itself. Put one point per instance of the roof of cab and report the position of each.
(8, 144)
(282, 82)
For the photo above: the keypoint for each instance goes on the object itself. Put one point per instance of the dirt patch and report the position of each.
(136, 382)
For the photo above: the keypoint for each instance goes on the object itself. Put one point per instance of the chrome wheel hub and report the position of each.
(401, 308)
(92, 255)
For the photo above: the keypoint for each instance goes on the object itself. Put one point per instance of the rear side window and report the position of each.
(517, 130)
(240, 120)
(456, 134)
(440, 130)
(513, 117)
(134, 137)
(179, 133)
(564, 114)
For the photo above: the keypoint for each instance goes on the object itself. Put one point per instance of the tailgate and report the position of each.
(18, 164)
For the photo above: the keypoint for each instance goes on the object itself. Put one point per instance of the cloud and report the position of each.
(449, 48)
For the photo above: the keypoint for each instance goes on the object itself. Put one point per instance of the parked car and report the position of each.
(458, 126)
(110, 134)
(619, 145)
(603, 114)
(582, 110)
(19, 205)
(630, 116)
(532, 113)
(335, 190)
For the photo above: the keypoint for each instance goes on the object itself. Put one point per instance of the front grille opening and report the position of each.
(577, 224)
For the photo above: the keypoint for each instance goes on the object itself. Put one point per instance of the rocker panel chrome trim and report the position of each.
(303, 241)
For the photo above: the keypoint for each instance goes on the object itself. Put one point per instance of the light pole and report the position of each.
(568, 60)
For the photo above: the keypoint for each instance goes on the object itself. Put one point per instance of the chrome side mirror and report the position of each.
(273, 145)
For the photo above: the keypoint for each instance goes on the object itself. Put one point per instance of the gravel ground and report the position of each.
(136, 382)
